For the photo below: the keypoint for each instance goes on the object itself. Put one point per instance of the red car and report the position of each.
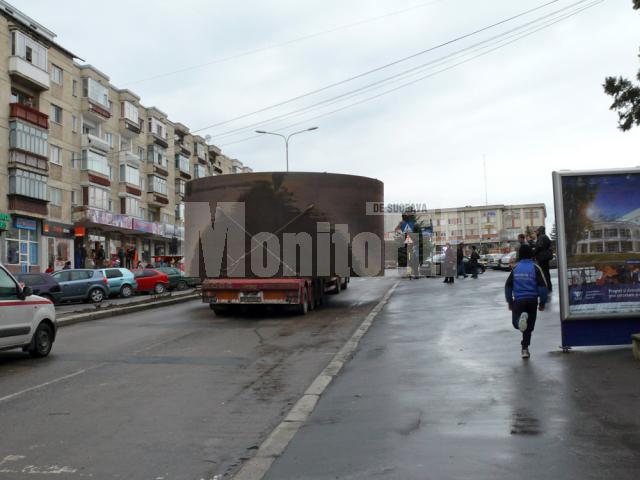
(150, 280)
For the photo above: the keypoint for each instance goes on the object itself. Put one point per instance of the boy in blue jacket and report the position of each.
(525, 285)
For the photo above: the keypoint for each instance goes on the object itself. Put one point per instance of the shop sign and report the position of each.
(143, 226)
(25, 223)
(4, 221)
(53, 229)
(108, 218)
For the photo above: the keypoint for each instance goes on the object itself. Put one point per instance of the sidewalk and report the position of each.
(65, 309)
(437, 390)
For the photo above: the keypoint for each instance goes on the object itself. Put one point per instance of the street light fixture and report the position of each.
(286, 139)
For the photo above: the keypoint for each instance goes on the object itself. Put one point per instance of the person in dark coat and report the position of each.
(474, 261)
(121, 256)
(544, 254)
(460, 261)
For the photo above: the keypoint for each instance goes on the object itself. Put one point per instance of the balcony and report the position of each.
(158, 140)
(126, 189)
(130, 158)
(157, 199)
(29, 114)
(94, 110)
(26, 72)
(91, 141)
(129, 128)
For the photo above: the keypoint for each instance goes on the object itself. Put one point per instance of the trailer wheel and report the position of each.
(219, 309)
(338, 288)
(345, 283)
(303, 308)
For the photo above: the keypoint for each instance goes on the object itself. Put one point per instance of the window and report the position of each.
(596, 234)
(75, 197)
(165, 218)
(182, 163)
(132, 207)
(110, 103)
(200, 151)
(141, 153)
(130, 112)
(55, 154)
(198, 171)
(157, 155)
(157, 184)
(180, 186)
(56, 113)
(55, 196)
(95, 91)
(56, 74)
(157, 128)
(98, 197)
(74, 88)
(28, 184)
(75, 157)
(129, 175)
(28, 138)
(109, 138)
(179, 213)
(74, 123)
(8, 287)
(94, 161)
(610, 232)
(29, 50)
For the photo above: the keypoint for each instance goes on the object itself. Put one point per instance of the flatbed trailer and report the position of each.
(300, 294)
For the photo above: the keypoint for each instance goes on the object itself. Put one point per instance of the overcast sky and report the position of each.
(531, 107)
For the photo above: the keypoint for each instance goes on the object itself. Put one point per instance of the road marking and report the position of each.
(42, 385)
(278, 440)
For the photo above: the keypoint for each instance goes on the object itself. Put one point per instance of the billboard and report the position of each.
(598, 225)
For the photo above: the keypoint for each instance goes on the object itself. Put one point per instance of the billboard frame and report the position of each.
(577, 329)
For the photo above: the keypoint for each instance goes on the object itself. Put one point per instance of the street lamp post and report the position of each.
(286, 139)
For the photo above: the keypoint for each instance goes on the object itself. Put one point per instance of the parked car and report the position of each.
(177, 280)
(151, 280)
(27, 321)
(493, 260)
(43, 285)
(507, 261)
(82, 284)
(467, 266)
(121, 281)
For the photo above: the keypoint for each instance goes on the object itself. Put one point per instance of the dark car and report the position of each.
(42, 284)
(468, 269)
(177, 279)
(82, 284)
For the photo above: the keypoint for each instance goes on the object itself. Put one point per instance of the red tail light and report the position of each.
(104, 279)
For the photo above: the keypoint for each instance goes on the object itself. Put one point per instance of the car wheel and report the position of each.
(126, 291)
(48, 297)
(96, 295)
(41, 342)
(159, 289)
(182, 285)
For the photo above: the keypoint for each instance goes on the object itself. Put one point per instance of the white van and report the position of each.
(26, 320)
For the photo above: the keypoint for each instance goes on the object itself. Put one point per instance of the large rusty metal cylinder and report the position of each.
(334, 210)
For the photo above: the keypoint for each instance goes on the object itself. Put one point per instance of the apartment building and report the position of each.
(494, 227)
(83, 162)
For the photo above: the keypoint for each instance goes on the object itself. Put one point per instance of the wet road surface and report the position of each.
(172, 393)
(437, 390)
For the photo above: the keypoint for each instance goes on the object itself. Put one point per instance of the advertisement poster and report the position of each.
(601, 240)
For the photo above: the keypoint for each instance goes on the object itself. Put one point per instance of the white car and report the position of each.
(508, 261)
(26, 320)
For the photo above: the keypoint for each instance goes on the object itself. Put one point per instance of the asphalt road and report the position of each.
(437, 390)
(173, 393)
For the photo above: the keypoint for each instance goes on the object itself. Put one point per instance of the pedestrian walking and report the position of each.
(449, 264)
(460, 261)
(67, 265)
(121, 255)
(100, 256)
(525, 292)
(49, 269)
(544, 254)
(474, 260)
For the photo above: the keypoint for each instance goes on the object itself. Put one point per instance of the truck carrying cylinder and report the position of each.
(277, 224)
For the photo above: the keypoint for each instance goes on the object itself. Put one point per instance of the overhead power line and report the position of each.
(382, 67)
(399, 76)
(367, 99)
(285, 43)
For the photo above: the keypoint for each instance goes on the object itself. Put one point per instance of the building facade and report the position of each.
(84, 163)
(492, 227)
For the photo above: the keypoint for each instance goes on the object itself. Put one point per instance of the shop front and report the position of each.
(120, 236)
(21, 244)
(57, 245)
